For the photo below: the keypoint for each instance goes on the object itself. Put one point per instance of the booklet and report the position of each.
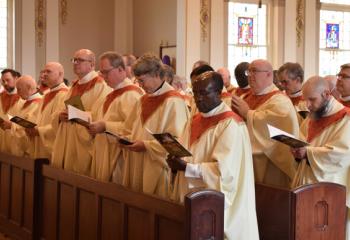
(22, 122)
(79, 116)
(286, 138)
(171, 145)
(120, 139)
(75, 102)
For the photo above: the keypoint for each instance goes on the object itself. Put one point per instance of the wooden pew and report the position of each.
(18, 196)
(312, 212)
(38, 201)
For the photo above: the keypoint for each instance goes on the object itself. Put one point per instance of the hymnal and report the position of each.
(285, 138)
(120, 139)
(79, 116)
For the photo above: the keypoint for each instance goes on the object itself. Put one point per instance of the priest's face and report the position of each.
(288, 84)
(260, 75)
(316, 102)
(82, 63)
(149, 83)
(8, 81)
(343, 82)
(206, 95)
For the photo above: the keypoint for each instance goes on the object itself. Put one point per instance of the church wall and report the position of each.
(154, 21)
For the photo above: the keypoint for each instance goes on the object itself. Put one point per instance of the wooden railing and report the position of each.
(41, 202)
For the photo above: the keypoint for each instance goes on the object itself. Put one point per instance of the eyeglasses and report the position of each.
(105, 72)
(254, 72)
(342, 76)
(79, 60)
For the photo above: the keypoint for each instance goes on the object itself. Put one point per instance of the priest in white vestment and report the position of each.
(221, 158)
(273, 162)
(111, 116)
(327, 129)
(72, 149)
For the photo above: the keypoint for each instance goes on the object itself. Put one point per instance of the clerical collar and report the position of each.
(123, 83)
(267, 90)
(59, 86)
(214, 111)
(159, 91)
(34, 96)
(345, 99)
(296, 94)
(246, 87)
(88, 77)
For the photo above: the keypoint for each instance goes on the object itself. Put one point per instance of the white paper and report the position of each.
(273, 131)
(75, 113)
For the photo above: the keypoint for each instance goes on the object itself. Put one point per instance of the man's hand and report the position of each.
(240, 106)
(137, 146)
(176, 163)
(97, 127)
(299, 153)
(6, 125)
(63, 116)
(32, 132)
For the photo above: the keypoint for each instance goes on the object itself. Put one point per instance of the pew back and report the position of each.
(312, 212)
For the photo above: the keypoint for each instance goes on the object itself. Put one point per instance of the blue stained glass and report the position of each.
(332, 35)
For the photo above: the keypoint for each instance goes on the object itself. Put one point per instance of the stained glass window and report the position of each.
(334, 41)
(247, 33)
(3, 34)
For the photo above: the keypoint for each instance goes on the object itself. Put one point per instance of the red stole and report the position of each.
(316, 127)
(345, 103)
(296, 100)
(116, 93)
(149, 104)
(225, 95)
(29, 102)
(80, 89)
(201, 124)
(8, 100)
(240, 91)
(254, 101)
(51, 95)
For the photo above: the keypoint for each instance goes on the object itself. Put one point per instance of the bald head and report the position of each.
(260, 75)
(26, 86)
(226, 76)
(332, 84)
(53, 74)
(83, 62)
(316, 84)
(317, 95)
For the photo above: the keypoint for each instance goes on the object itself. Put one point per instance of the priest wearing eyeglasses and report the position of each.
(343, 84)
(73, 143)
(273, 161)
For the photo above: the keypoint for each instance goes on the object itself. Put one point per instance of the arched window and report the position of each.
(3, 34)
(334, 43)
(247, 32)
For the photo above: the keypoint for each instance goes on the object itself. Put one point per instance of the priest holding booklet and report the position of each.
(222, 158)
(327, 130)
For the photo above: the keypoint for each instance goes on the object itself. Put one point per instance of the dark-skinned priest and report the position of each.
(221, 158)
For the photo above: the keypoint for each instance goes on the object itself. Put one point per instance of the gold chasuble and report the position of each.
(116, 108)
(11, 103)
(72, 148)
(160, 112)
(273, 162)
(329, 150)
(19, 143)
(53, 101)
(222, 160)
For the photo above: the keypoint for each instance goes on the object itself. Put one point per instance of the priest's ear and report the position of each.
(326, 94)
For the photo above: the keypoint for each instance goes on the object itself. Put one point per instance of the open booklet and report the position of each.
(286, 138)
(21, 121)
(79, 116)
(119, 138)
(171, 145)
